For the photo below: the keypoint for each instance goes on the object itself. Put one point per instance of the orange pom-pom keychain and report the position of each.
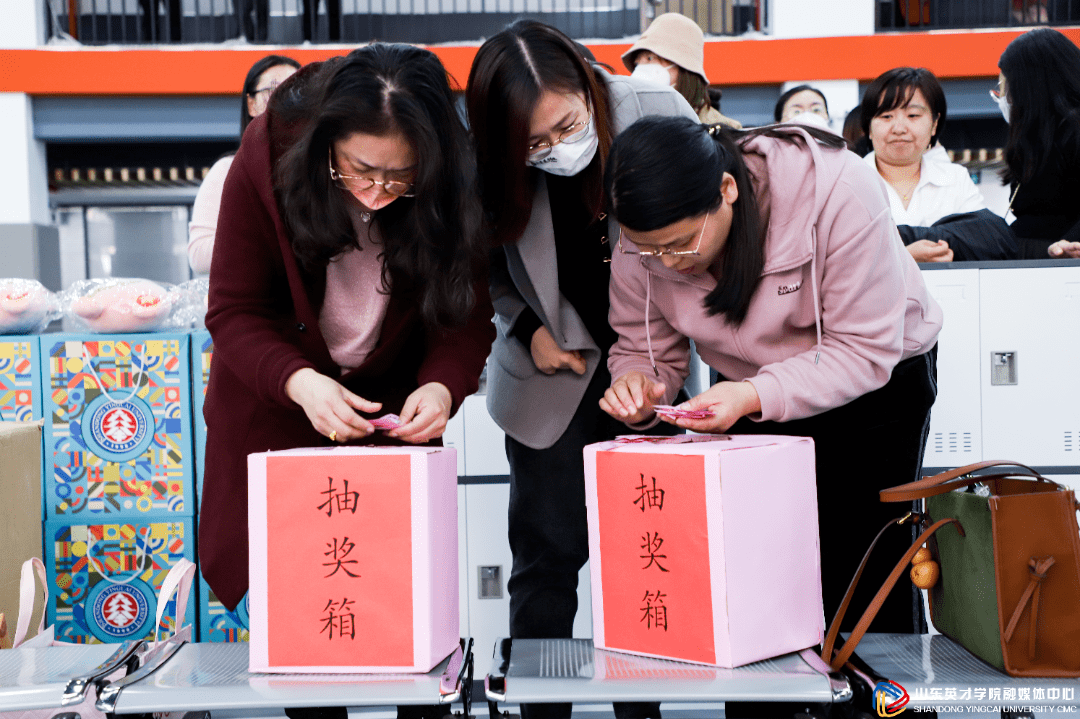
(924, 570)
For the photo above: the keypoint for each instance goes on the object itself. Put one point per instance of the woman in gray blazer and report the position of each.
(543, 119)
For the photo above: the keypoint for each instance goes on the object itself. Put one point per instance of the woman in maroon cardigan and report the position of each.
(344, 281)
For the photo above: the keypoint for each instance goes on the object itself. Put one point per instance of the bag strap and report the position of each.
(844, 653)
(27, 590)
(1037, 567)
(953, 479)
(178, 581)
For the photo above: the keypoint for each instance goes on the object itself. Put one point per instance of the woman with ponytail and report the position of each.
(774, 251)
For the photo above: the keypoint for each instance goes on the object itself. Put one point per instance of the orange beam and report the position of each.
(116, 70)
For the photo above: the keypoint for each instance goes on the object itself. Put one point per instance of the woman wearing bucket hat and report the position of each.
(671, 51)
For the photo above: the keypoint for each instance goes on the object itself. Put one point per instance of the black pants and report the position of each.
(549, 534)
(253, 28)
(311, 20)
(875, 441)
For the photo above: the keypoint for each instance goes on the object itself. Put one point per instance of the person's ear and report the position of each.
(729, 189)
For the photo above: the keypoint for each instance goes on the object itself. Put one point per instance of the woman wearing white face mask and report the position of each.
(1039, 95)
(671, 52)
(543, 120)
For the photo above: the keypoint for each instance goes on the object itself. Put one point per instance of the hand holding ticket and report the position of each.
(672, 412)
(386, 422)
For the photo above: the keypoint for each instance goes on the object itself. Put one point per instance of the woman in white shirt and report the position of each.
(261, 81)
(903, 113)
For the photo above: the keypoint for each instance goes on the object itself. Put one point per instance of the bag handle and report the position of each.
(950, 480)
(844, 653)
(178, 581)
(27, 590)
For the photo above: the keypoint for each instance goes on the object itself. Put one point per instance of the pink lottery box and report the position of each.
(704, 548)
(353, 559)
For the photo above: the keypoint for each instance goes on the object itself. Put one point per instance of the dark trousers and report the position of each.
(153, 27)
(253, 28)
(549, 534)
(311, 20)
(875, 441)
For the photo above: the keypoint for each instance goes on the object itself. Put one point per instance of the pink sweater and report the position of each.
(840, 301)
(355, 304)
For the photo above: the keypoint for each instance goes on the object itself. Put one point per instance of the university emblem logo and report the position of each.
(120, 611)
(118, 431)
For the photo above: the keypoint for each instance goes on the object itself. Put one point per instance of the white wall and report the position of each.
(24, 23)
(803, 18)
(23, 183)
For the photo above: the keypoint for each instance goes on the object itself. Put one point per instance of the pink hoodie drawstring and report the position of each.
(648, 331)
(814, 290)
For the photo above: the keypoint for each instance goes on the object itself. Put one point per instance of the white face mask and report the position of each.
(652, 73)
(811, 119)
(570, 158)
(1003, 105)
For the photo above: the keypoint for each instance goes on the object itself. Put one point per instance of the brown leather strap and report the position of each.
(834, 626)
(836, 659)
(1037, 568)
(953, 479)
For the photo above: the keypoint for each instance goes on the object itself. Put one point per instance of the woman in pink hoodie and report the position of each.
(774, 250)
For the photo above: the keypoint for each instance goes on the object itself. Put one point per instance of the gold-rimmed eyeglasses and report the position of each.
(574, 133)
(357, 183)
(635, 250)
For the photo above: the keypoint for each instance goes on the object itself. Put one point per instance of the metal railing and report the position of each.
(284, 22)
(960, 14)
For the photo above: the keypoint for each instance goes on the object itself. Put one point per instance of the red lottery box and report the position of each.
(704, 548)
(353, 559)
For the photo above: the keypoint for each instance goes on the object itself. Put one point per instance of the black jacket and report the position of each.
(979, 235)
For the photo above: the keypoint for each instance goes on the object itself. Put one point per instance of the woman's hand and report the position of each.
(927, 251)
(1064, 250)
(631, 397)
(330, 407)
(728, 401)
(549, 358)
(424, 414)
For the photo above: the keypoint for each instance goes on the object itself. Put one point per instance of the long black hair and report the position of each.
(431, 242)
(509, 74)
(251, 83)
(1042, 77)
(665, 169)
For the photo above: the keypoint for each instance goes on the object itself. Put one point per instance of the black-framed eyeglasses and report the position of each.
(575, 133)
(635, 250)
(357, 183)
(261, 90)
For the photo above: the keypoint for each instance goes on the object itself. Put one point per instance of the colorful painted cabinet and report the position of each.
(118, 431)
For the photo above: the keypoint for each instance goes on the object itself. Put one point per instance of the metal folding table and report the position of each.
(938, 673)
(57, 676)
(573, 670)
(213, 677)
